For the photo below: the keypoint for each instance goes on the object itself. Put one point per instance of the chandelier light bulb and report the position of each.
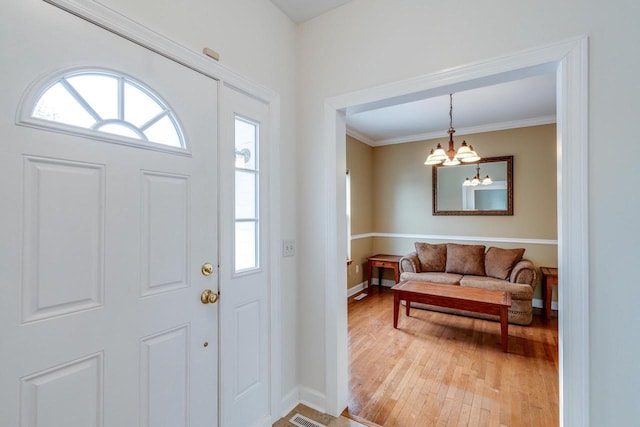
(477, 180)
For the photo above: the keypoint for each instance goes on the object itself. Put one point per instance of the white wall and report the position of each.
(371, 42)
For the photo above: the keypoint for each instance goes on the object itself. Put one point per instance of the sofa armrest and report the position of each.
(524, 272)
(410, 263)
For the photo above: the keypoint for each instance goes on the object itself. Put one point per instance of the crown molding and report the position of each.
(361, 137)
(536, 121)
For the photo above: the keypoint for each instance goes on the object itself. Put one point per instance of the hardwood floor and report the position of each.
(439, 369)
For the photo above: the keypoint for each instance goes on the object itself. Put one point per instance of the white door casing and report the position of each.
(101, 322)
(244, 294)
(569, 60)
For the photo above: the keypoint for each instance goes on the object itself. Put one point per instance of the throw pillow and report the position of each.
(432, 257)
(499, 262)
(465, 259)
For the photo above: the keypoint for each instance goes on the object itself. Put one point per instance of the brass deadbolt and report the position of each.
(207, 269)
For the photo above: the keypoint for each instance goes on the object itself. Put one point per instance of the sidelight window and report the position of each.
(247, 221)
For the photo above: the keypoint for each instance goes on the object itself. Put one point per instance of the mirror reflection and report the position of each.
(481, 188)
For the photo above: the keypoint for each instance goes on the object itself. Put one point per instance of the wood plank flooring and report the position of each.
(439, 369)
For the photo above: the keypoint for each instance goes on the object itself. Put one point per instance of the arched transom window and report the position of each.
(107, 102)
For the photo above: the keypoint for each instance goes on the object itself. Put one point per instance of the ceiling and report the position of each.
(303, 10)
(525, 102)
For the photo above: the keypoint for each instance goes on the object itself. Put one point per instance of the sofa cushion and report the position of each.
(518, 291)
(432, 257)
(499, 262)
(434, 277)
(465, 259)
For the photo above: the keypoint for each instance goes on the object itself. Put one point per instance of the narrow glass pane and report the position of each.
(246, 142)
(57, 105)
(163, 132)
(245, 245)
(99, 91)
(139, 107)
(245, 194)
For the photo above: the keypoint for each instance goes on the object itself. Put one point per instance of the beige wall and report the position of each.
(360, 165)
(403, 182)
(403, 197)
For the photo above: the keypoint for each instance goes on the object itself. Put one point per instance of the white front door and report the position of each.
(103, 239)
(244, 261)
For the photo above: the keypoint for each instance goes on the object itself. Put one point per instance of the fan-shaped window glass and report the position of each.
(109, 103)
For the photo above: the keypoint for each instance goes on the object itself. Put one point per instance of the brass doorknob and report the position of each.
(207, 269)
(209, 297)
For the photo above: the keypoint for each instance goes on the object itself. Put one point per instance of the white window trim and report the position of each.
(38, 88)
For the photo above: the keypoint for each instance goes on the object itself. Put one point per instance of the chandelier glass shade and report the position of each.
(477, 180)
(451, 157)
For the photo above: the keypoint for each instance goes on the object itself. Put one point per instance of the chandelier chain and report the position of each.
(450, 111)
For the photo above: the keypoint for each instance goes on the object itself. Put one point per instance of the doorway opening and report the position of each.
(568, 59)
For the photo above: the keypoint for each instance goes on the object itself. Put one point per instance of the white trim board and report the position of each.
(289, 401)
(516, 240)
(123, 26)
(569, 60)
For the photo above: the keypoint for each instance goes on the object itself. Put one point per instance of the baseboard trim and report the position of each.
(302, 395)
(538, 303)
(354, 290)
(289, 401)
(313, 399)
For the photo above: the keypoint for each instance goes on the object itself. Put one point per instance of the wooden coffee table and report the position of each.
(452, 296)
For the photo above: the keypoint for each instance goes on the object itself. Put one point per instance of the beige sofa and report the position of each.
(469, 265)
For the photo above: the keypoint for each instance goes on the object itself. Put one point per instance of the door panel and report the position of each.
(62, 237)
(164, 383)
(101, 322)
(245, 287)
(44, 395)
(165, 238)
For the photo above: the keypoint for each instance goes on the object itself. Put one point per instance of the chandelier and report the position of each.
(465, 153)
(477, 180)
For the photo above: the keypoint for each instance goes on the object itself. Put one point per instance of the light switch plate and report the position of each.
(288, 248)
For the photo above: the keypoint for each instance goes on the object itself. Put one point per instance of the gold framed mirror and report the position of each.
(454, 193)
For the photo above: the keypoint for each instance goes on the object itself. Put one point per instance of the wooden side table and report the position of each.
(549, 280)
(383, 261)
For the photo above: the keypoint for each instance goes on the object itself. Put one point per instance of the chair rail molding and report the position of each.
(493, 239)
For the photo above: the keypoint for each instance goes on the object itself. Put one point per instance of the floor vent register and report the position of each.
(302, 421)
